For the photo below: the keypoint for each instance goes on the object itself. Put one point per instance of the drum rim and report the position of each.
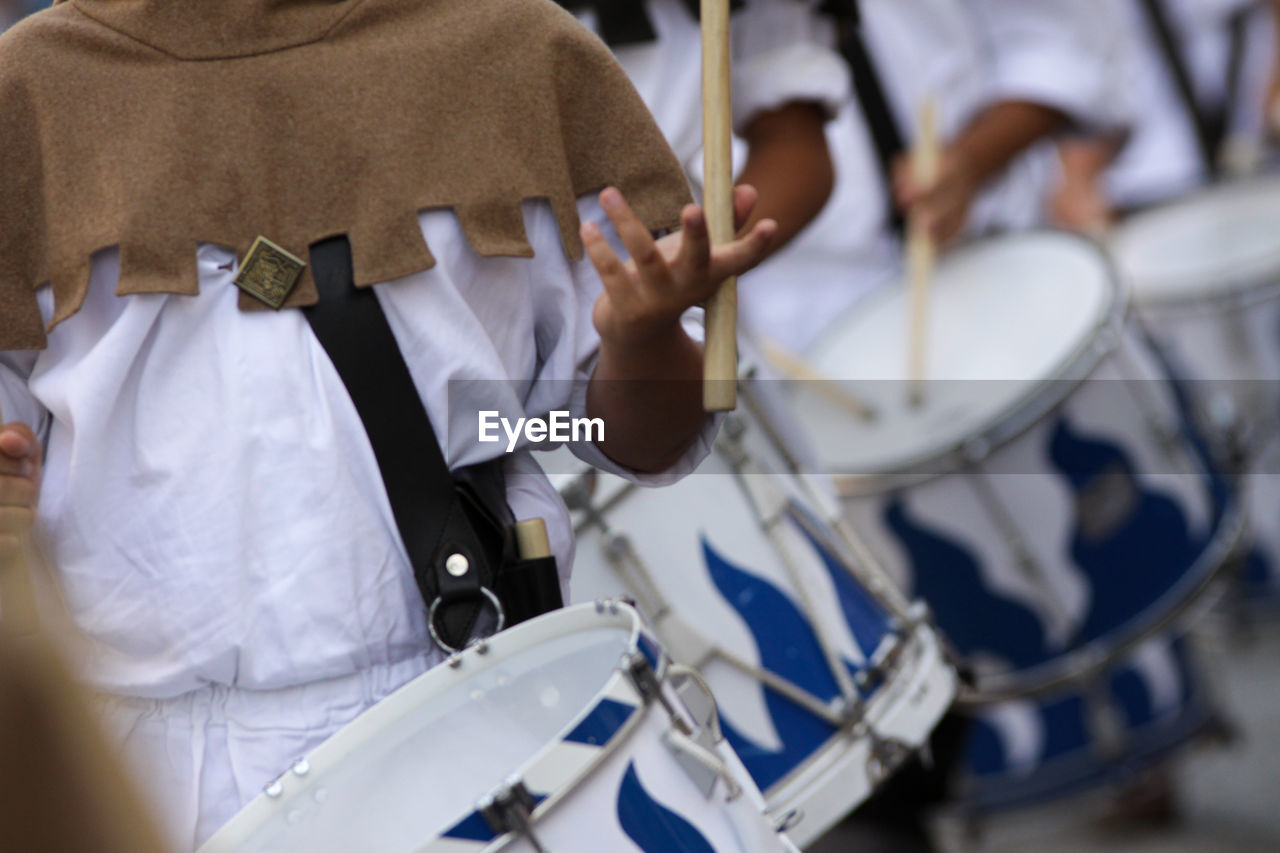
(457, 669)
(797, 788)
(1237, 289)
(1040, 398)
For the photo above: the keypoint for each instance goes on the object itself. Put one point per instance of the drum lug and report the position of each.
(886, 755)
(510, 809)
(649, 686)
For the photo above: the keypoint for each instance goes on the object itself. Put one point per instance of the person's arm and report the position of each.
(789, 165)
(647, 384)
(982, 151)
(1080, 200)
(1271, 116)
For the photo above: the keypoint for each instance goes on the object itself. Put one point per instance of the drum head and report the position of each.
(408, 769)
(1212, 244)
(1006, 317)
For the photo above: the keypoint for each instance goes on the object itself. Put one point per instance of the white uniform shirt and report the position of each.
(1162, 158)
(967, 54)
(216, 514)
(780, 55)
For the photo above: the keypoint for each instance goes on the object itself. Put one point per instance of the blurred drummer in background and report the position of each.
(1205, 83)
(787, 81)
(1006, 75)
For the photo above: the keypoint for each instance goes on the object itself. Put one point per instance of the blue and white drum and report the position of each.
(565, 733)
(1044, 498)
(1103, 733)
(1205, 277)
(825, 679)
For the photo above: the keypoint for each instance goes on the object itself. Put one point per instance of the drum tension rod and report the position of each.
(510, 809)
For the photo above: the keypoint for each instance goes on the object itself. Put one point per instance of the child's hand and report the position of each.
(644, 298)
(20, 462)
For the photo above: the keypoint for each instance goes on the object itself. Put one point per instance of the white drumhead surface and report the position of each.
(1005, 315)
(424, 765)
(1203, 245)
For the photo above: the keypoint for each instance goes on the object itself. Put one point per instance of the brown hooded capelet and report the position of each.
(155, 125)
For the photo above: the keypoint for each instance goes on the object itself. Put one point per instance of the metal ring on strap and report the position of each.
(435, 605)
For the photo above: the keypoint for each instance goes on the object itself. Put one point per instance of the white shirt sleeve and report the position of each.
(17, 403)
(782, 55)
(1065, 54)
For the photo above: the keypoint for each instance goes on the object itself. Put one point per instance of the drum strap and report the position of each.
(886, 133)
(456, 528)
(1210, 128)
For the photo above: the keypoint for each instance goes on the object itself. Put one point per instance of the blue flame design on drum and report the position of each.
(949, 578)
(1130, 543)
(787, 646)
(652, 826)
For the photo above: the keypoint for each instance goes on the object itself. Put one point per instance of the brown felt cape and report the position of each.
(155, 125)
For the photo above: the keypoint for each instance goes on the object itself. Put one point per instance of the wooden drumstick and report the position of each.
(800, 370)
(921, 251)
(531, 539)
(720, 373)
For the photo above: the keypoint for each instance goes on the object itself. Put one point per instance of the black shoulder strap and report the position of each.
(428, 507)
(1208, 129)
(887, 136)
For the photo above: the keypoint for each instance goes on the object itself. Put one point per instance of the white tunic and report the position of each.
(967, 54)
(1162, 158)
(216, 513)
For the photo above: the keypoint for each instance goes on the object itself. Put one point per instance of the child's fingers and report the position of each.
(694, 258)
(635, 236)
(744, 253)
(17, 491)
(17, 441)
(745, 197)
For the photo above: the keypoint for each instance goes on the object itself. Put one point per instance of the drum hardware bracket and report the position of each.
(510, 809)
(886, 755)
(647, 684)
(851, 713)
(788, 821)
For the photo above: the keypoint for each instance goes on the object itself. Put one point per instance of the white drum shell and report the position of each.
(409, 769)
(668, 529)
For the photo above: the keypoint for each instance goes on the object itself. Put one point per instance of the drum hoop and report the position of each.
(1082, 664)
(1042, 396)
(1242, 293)
(357, 734)
(1242, 288)
(1201, 722)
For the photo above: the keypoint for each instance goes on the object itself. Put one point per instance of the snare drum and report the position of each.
(1104, 732)
(564, 733)
(1205, 276)
(824, 679)
(1044, 499)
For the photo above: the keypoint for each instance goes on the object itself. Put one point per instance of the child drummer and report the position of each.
(204, 485)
